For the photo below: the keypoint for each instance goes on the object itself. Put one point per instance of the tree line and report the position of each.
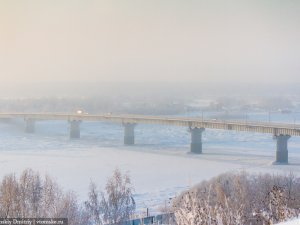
(231, 198)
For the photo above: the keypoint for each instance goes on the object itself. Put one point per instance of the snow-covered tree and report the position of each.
(240, 198)
(33, 196)
(116, 204)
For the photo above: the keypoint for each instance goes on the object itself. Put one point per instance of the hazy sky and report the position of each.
(149, 40)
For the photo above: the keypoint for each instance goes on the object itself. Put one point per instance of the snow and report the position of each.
(160, 164)
(291, 222)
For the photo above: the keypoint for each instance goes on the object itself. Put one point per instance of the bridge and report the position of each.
(281, 132)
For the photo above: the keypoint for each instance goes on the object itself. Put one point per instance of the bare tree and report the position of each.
(93, 205)
(34, 196)
(116, 204)
(9, 196)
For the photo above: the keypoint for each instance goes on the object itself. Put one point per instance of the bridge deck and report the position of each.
(251, 126)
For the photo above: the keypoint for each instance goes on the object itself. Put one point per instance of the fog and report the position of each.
(83, 65)
(59, 43)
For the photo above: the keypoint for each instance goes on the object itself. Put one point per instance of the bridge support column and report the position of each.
(281, 149)
(29, 125)
(196, 140)
(75, 129)
(129, 133)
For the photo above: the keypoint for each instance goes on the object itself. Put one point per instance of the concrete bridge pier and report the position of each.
(129, 133)
(281, 148)
(29, 125)
(196, 140)
(74, 129)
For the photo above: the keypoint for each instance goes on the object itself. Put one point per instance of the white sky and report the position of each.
(149, 40)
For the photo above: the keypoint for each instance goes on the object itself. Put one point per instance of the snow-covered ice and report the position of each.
(160, 164)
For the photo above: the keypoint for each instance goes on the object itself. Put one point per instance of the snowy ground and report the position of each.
(160, 164)
(291, 222)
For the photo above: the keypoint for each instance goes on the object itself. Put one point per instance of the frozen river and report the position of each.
(160, 164)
